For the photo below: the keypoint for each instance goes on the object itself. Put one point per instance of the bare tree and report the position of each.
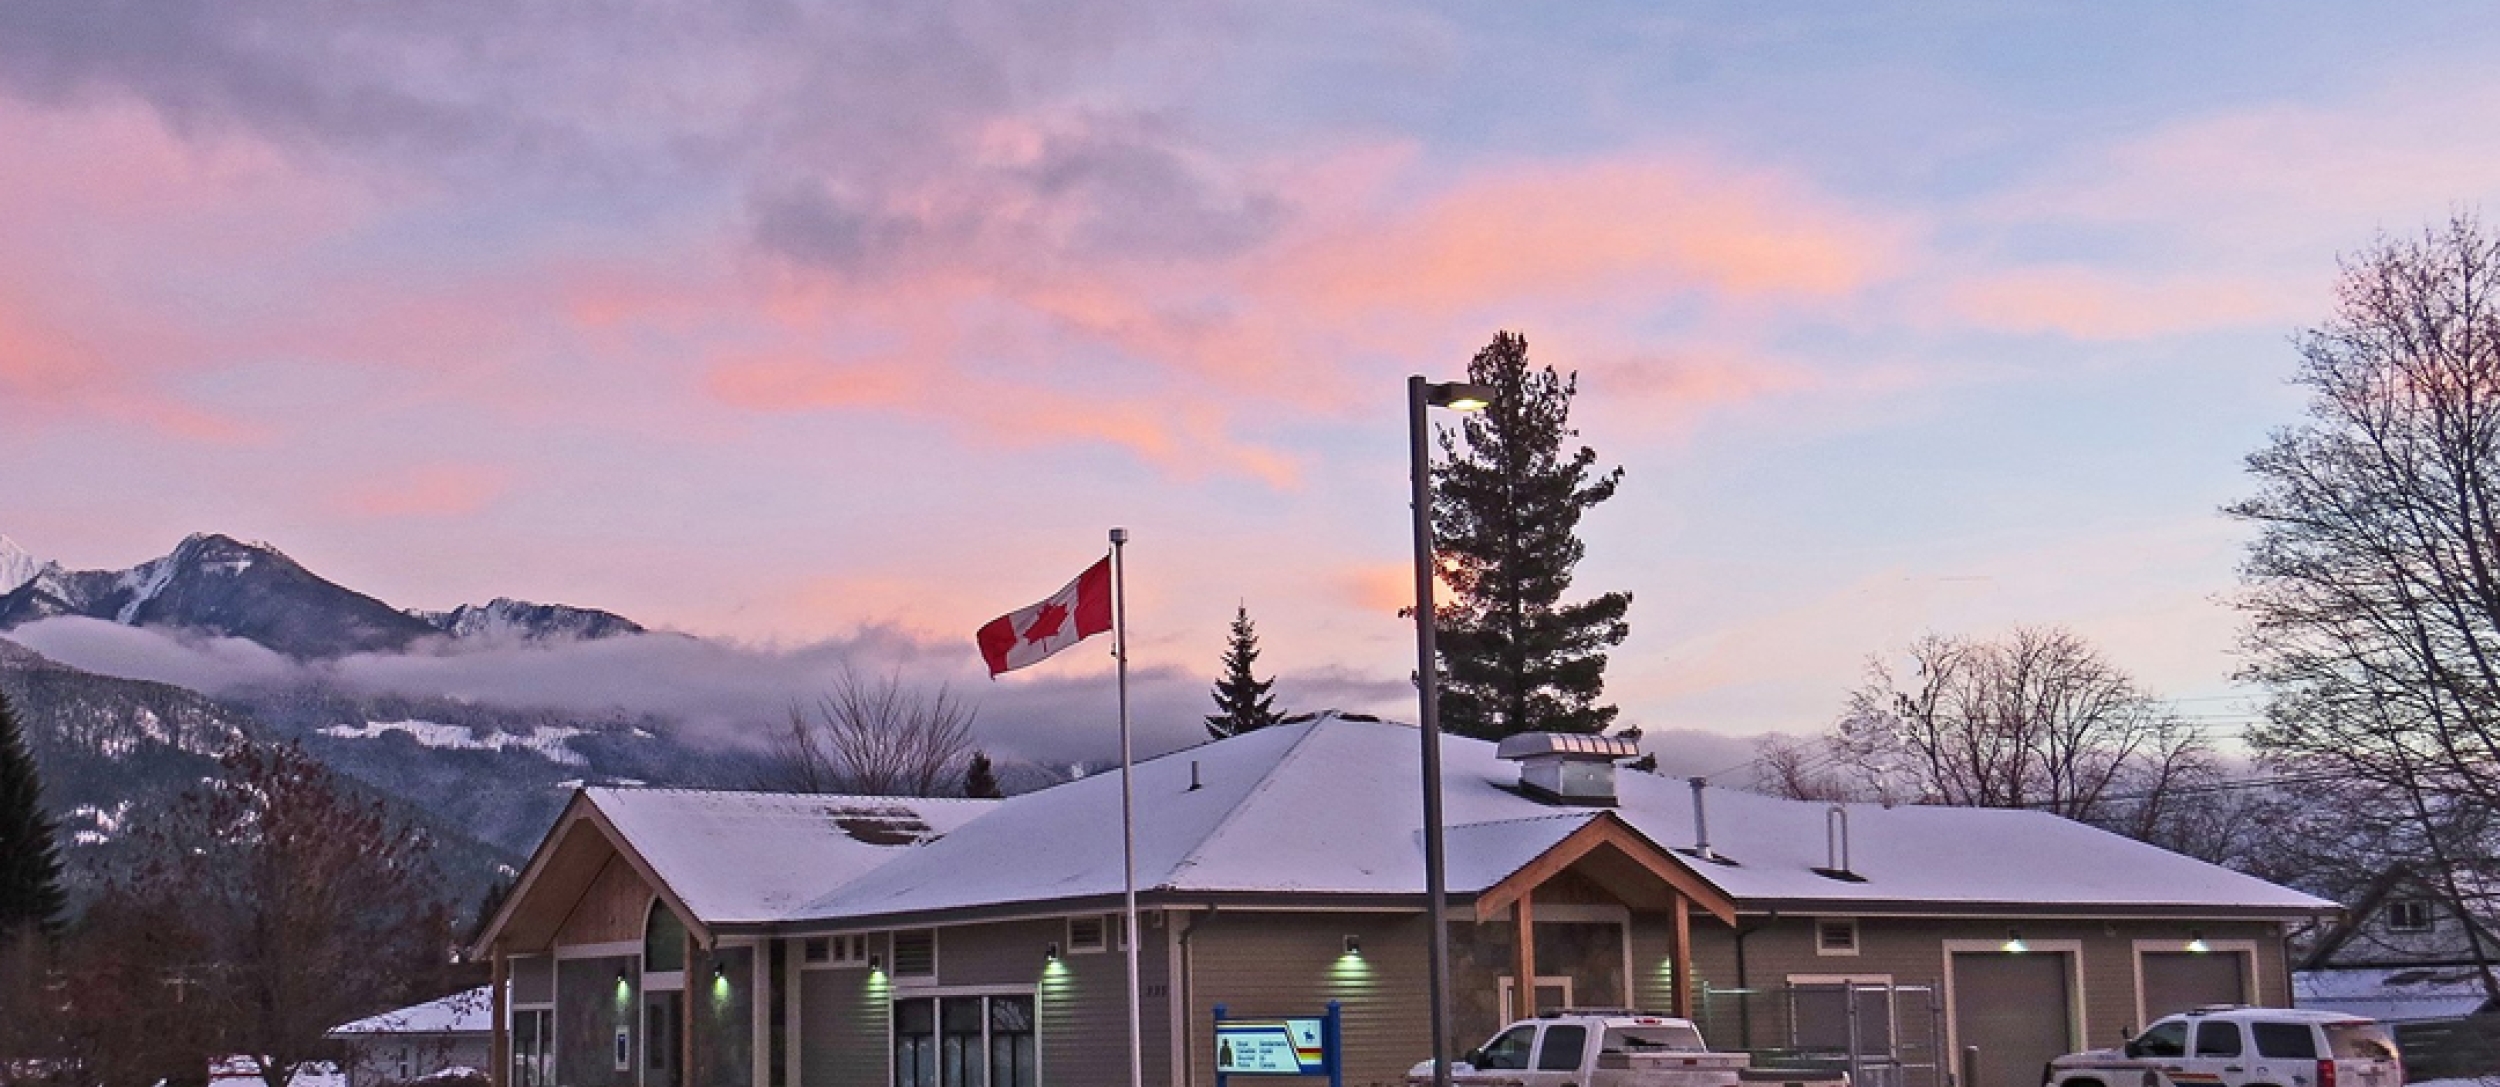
(2036, 720)
(875, 737)
(270, 905)
(2373, 586)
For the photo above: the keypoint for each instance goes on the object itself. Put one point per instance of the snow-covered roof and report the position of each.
(737, 857)
(2392, 994)
(1333, 807)
(468, 1012)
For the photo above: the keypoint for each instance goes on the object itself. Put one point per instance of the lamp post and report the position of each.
(1457, 396)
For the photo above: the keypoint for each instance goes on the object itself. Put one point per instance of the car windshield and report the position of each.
(1655, 1038)
(2360, 1041)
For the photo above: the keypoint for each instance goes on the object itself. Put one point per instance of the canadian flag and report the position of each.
(1071, 615)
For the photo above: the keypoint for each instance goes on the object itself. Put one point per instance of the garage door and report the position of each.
(2175, 981)
(2015, 1008)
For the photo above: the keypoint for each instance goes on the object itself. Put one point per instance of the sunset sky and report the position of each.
(776, 322)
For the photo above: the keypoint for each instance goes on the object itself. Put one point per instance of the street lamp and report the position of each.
(1456, 396)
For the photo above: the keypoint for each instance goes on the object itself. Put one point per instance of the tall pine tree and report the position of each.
(1242, 699)
(30, 860)
(1506, 515)
(981, 779)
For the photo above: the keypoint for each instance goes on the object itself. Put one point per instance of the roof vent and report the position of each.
(1568, 768)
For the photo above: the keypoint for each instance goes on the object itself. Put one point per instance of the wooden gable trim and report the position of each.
(580, 813)
(1606, 830)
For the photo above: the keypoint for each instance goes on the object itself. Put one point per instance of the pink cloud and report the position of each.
(428, 490)
(2093, 304)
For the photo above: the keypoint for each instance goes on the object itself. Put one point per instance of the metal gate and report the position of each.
(1883, 1035)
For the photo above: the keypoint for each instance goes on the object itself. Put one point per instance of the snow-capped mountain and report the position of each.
(218, 585)
(506, 619)
(16, 566)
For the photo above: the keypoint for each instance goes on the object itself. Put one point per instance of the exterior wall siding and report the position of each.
(725, 1008)
(612, 909)
(1911, 952)
(588, 1014)
(842, 1013)
(1274, 965)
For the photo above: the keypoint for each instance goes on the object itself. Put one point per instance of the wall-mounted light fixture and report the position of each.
(1353, 945)
(2196, 944)
(2014, 944)
(876, 963)
(1050, 953)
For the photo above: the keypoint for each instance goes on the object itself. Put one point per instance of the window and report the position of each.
(965, 1041)
(2409, 915)
(2360, 1041)
(2167, 1038)
(915, 953)
(1088, 934)
(1654, 1039)
(663, 940)
(2290, 1041)
(2217, 1039)
(1562, 1049)
(1510, 1051)
(533, 1047)
(849, 950)
(1836, 936)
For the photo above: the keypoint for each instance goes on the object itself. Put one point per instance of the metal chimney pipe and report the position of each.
(1836, 838)
(1701, 820)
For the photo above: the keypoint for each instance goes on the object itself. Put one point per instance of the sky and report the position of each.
(799, 326)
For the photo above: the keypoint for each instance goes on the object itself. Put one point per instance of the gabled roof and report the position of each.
(1332, 809)
(469, 1012)
(741, 858)
(2330, 951)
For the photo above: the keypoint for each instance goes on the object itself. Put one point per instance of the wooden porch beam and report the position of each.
(499, 1053)
(1523, 959)
(1680, 998)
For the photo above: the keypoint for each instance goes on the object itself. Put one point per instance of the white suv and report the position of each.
(2241, 1047)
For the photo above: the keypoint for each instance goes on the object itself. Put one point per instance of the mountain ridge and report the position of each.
(215, 584)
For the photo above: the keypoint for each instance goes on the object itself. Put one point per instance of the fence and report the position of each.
(1883, 1035)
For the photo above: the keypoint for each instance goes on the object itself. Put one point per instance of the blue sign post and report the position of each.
(1280, 1047)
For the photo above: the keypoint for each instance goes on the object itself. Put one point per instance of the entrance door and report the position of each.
(662, 1014)
(2175, 981)
(2016, 1009)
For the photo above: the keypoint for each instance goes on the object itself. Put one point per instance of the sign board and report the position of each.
(1270, 1047)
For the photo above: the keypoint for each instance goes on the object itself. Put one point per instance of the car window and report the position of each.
(1651, 1038)
(2360, 1041)
(1562, 1048)
(1508, 1051)
(2217, 1039)
(2288, 1040)
(2167, 1038)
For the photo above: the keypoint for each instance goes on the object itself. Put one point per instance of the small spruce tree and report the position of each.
(1506, 514)
(30, 860)
(1243, 699)
(980, 779)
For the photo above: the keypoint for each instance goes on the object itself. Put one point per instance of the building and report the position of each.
(802, 941)
(2408, 954)
(448, 1034)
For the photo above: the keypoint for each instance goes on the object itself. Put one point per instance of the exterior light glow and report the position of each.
(2196, 944)
(2014, 944)
(1459, 396)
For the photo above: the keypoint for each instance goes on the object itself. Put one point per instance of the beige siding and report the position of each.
(842, 1028)
(1911, 952)
(1272, 965)
(611, 910)
(1081, 1007)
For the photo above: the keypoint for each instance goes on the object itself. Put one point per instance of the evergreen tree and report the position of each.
(1506, 515)
(980, 779)
(1243, 698)
(30, 860)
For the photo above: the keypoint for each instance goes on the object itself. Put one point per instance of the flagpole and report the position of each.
(1128, 805)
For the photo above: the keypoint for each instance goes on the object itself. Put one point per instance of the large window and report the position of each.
(533, 1047)
(965, 1041)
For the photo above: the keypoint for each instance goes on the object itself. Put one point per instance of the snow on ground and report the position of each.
(2469, 1081)
(548, 742)
(106, 824)
(244, 1071)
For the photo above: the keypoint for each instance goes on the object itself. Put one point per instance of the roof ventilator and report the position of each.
(1701, 828)
(1836, 846)
(1568, 768)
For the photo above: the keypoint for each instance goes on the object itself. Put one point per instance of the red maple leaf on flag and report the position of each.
(1046, 622)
